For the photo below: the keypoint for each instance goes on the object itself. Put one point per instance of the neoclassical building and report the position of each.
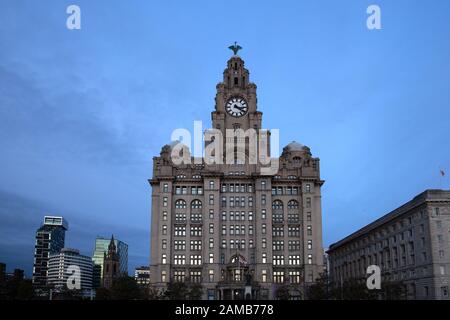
(237, 231)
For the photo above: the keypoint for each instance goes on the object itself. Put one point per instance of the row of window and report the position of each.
(277, 245)
(195, 276)
(277, 231)
(196, 259)
(236, 216)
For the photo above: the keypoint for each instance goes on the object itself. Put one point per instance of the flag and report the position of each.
(442, 173)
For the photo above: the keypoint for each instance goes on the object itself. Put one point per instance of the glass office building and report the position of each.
(50, 239)
(101, 247)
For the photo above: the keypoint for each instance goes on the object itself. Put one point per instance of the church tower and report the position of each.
(111, 265)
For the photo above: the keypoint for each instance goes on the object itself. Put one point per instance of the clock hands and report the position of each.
(239, 108)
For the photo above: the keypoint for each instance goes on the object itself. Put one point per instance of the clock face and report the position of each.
(236, 107)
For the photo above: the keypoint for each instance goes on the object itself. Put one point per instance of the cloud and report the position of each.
(21, 217)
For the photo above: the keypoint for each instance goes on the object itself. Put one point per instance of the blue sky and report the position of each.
(83, 112)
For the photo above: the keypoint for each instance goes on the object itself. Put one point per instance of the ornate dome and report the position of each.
(295, 146)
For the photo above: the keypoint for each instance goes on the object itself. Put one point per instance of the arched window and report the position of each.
(277, 204)
(196, 204)
(297, 160)
(180, 204)
(293, 204)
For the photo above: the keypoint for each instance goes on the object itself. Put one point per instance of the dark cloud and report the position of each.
(21, 216)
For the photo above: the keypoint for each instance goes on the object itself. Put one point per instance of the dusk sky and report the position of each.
(82, 112)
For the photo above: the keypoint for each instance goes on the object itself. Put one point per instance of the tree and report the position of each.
(125, 288)
(282, 292)
(320, 289)
(195, 291)
(176, 291)
(102, 294)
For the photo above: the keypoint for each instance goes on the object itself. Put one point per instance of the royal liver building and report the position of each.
(229, 226)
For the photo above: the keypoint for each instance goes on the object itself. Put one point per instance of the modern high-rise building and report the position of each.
(59, 263)
(101, 248)
(142, 275)
(238, 229)
(50, 239)
(410, 245)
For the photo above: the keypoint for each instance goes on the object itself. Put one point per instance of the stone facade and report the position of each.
(411, 245)
(239, 233)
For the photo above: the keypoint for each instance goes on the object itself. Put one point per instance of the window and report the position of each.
(224, 230)
(263, 184)
(294, 260)
(308, 188)
(211, 213)
(211, 228)
(224, 216)
(164, 259)
(293, 204)
(278, 260)
(309, 258)
(308, 216)
(250, 230)
(278, 245)
(180, 204)
(223, 202)
(164, 244)
(211, 258)
(277, 205)
(294, 245)
(196, 204)
(211, 275)
(211, 199)
(308, 202)
(211, 184)
(264, 275)
(196, 245)
(179, 275)
(211, 243)
(195, 259)
(250, 216)
(165, 188)
(196, 231)
(165, 201)
(179, 245)
(309, 230)
(163, 276)
(264, 243)
(164, 230)
(309, 244)
(263, 199)
(164, 217)
(263, 228)
(278, 232)
(195, 276)
(294, 231)
(250, 202)
(179, 259)
(263, 214)
(294, 277)
(278, 276)
(224, 244)
(264, 257)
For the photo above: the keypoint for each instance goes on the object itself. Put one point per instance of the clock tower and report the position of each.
(236, 101)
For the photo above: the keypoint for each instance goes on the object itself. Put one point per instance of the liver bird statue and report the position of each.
(235, 47)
